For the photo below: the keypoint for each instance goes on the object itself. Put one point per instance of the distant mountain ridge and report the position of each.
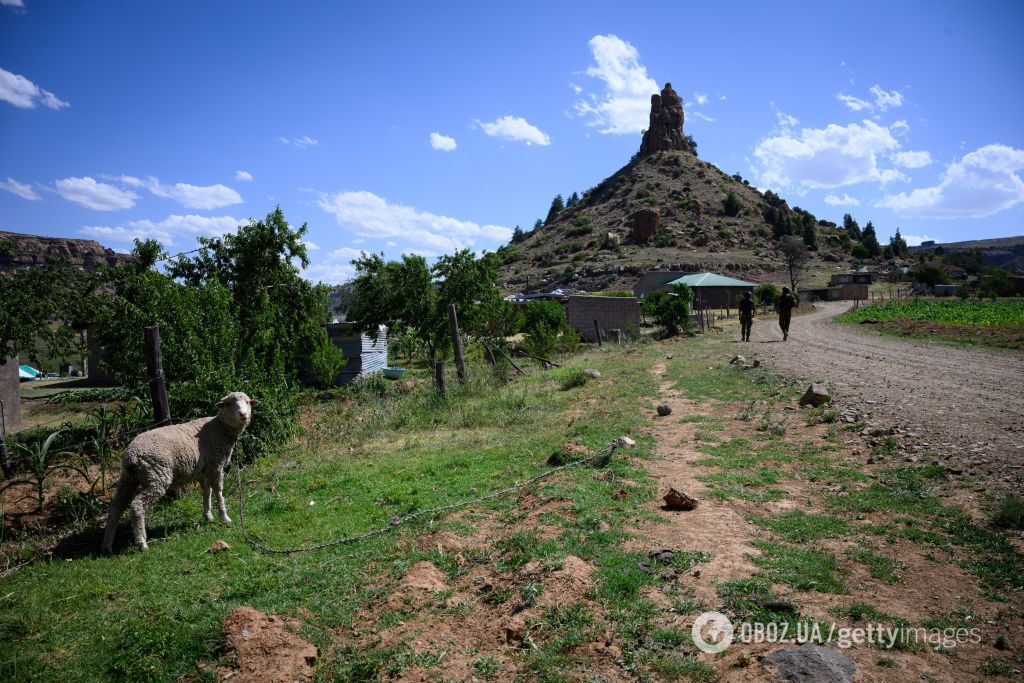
(1002, 252)
(33, 250)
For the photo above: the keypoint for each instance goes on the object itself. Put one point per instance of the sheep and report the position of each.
(168, 458)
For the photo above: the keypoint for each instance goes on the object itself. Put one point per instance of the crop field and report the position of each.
(971, 312)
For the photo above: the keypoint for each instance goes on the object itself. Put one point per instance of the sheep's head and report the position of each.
(235, 409)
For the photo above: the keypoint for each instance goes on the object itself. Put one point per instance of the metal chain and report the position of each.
(257, 542)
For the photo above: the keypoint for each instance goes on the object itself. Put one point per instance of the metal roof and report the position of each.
(710, 280)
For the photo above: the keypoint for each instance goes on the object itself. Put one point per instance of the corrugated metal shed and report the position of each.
(710, 280)
(364, 355)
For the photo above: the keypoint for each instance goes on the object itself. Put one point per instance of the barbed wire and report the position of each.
(257, 542)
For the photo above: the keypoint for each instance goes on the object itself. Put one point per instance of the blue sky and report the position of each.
(426, 127)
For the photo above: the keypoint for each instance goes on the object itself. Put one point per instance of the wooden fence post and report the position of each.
(597, 331)
(5, 458)
(157, 382)
(460, 362)
(439, 377)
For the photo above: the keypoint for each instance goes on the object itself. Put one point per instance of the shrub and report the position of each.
(1010, 513)
(731, 205)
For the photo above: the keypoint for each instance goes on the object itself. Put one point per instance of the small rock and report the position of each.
(809, 662)
(662, 555)
(664, 409)
(591, 372)
(218, 546)
(816, 395)
(677, 500)
(624, 442)
(738, 360)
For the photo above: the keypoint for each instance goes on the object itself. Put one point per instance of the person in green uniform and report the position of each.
(786, 304)
(746, 316)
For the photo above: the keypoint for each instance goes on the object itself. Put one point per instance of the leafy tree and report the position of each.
(859, 251)
(543, 321)
(518, 235)
(672, 311)
(730, 205)
(810, 232)
(851, 227)
(795, 254)
(766, 294)
(995, 282)
(557, 206)
(537, 225)
(969, 259)
(929, 274)
(573, 200)
(899, 245)
(692, 144)
(870, 240)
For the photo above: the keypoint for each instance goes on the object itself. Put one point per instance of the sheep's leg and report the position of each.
(218, 485)
(146, 498)
(122, 497)
(204, 482)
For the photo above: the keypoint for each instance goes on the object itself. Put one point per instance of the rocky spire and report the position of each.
(666, 128)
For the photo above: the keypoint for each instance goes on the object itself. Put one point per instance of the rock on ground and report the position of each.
(816, 395)
(267, 649)
(811, 663)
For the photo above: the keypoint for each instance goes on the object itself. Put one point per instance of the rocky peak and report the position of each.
(666, 128)
(19, 251)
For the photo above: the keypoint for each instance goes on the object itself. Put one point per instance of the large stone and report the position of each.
(677, 500)
(811, 663)
(665, 131)
(816, 395)
(644, 223)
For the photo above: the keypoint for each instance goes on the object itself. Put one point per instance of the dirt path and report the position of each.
(963, 403)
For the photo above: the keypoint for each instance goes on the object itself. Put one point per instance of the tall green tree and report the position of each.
(810, 231)
(557, 207)
(851, 227)
(796, 256)
(899, 245)
(870, 240)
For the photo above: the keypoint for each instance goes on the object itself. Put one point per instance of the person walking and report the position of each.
(746, 316)
(785, 305)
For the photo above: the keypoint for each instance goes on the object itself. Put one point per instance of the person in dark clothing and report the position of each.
(785, 306)
(746, 316)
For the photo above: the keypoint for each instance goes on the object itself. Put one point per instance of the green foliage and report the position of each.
(731, 205)
(557, 207)
(801, 568)
(978, 313)
(797, 526)
(671, 311)
(325, 362)
(898, 245)
(796, 256)
(870, 240)
(810, 232)
(859, 251)
(1009, 514)
(929, 274)
(543, 322)
(851, 227)
(766, 294)
(691, 143)
(518, 235)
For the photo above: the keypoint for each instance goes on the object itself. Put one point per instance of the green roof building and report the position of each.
(711, 290)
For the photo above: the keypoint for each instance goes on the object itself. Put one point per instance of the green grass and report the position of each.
(971, 312)
(1009, 513)
(801, 568)
(879, 566)
(797, 526)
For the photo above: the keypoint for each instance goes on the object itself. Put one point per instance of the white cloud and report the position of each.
(243, 176)
(167, 231)
(886, 100)
(785, 120)
(25, 94)
(442, 143)
(845, 200)
(900, 128)
(702, 116)
(368, 215)
(701, 97)
(311, 246)
(883, 100)
(93, 195)
(329, 273)
(12, 3)
(304, 141)
(624, 106)
(911, 159)
(916, 240)
(828, 157)
(515, 128)
(23, 190)
(189, 196)
(853, 103)
(982, 183)
(575, 88)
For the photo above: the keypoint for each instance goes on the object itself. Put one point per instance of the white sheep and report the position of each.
(168, 458)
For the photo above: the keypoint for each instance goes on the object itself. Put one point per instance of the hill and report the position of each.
(1003, 252)
(665, 210)
(18, 250)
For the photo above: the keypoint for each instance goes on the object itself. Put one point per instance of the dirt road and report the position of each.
(965, 404)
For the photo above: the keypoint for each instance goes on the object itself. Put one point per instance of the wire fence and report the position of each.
(601, 457)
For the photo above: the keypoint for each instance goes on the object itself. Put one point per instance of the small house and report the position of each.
(364, 355)
(711, 290)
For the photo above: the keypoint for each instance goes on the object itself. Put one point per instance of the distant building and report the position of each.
(656, 281)
(858, 278)
(711, 290)
(613, 314)
(364, 355)
(944, 290)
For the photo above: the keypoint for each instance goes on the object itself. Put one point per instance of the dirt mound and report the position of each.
(424, 576)
(266, 649)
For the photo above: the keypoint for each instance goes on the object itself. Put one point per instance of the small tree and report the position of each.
(692, 144)
(810, 232)
(851, 227)
(795, 254)
(870, 240)
(730, 205)
(518, 235)
(929, 274)
(899, 245)
(672, 311)
(543, 321)
(557, 207)
(766, 294)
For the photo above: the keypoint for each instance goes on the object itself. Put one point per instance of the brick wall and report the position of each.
(610, 312)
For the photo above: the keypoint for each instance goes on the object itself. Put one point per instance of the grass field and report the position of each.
(385, 451)
(988, 323)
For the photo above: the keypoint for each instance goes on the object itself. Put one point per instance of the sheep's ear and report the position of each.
(254, 402)
(220, 403)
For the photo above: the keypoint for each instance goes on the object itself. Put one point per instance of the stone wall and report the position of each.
(10, 394)
(610, 312)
